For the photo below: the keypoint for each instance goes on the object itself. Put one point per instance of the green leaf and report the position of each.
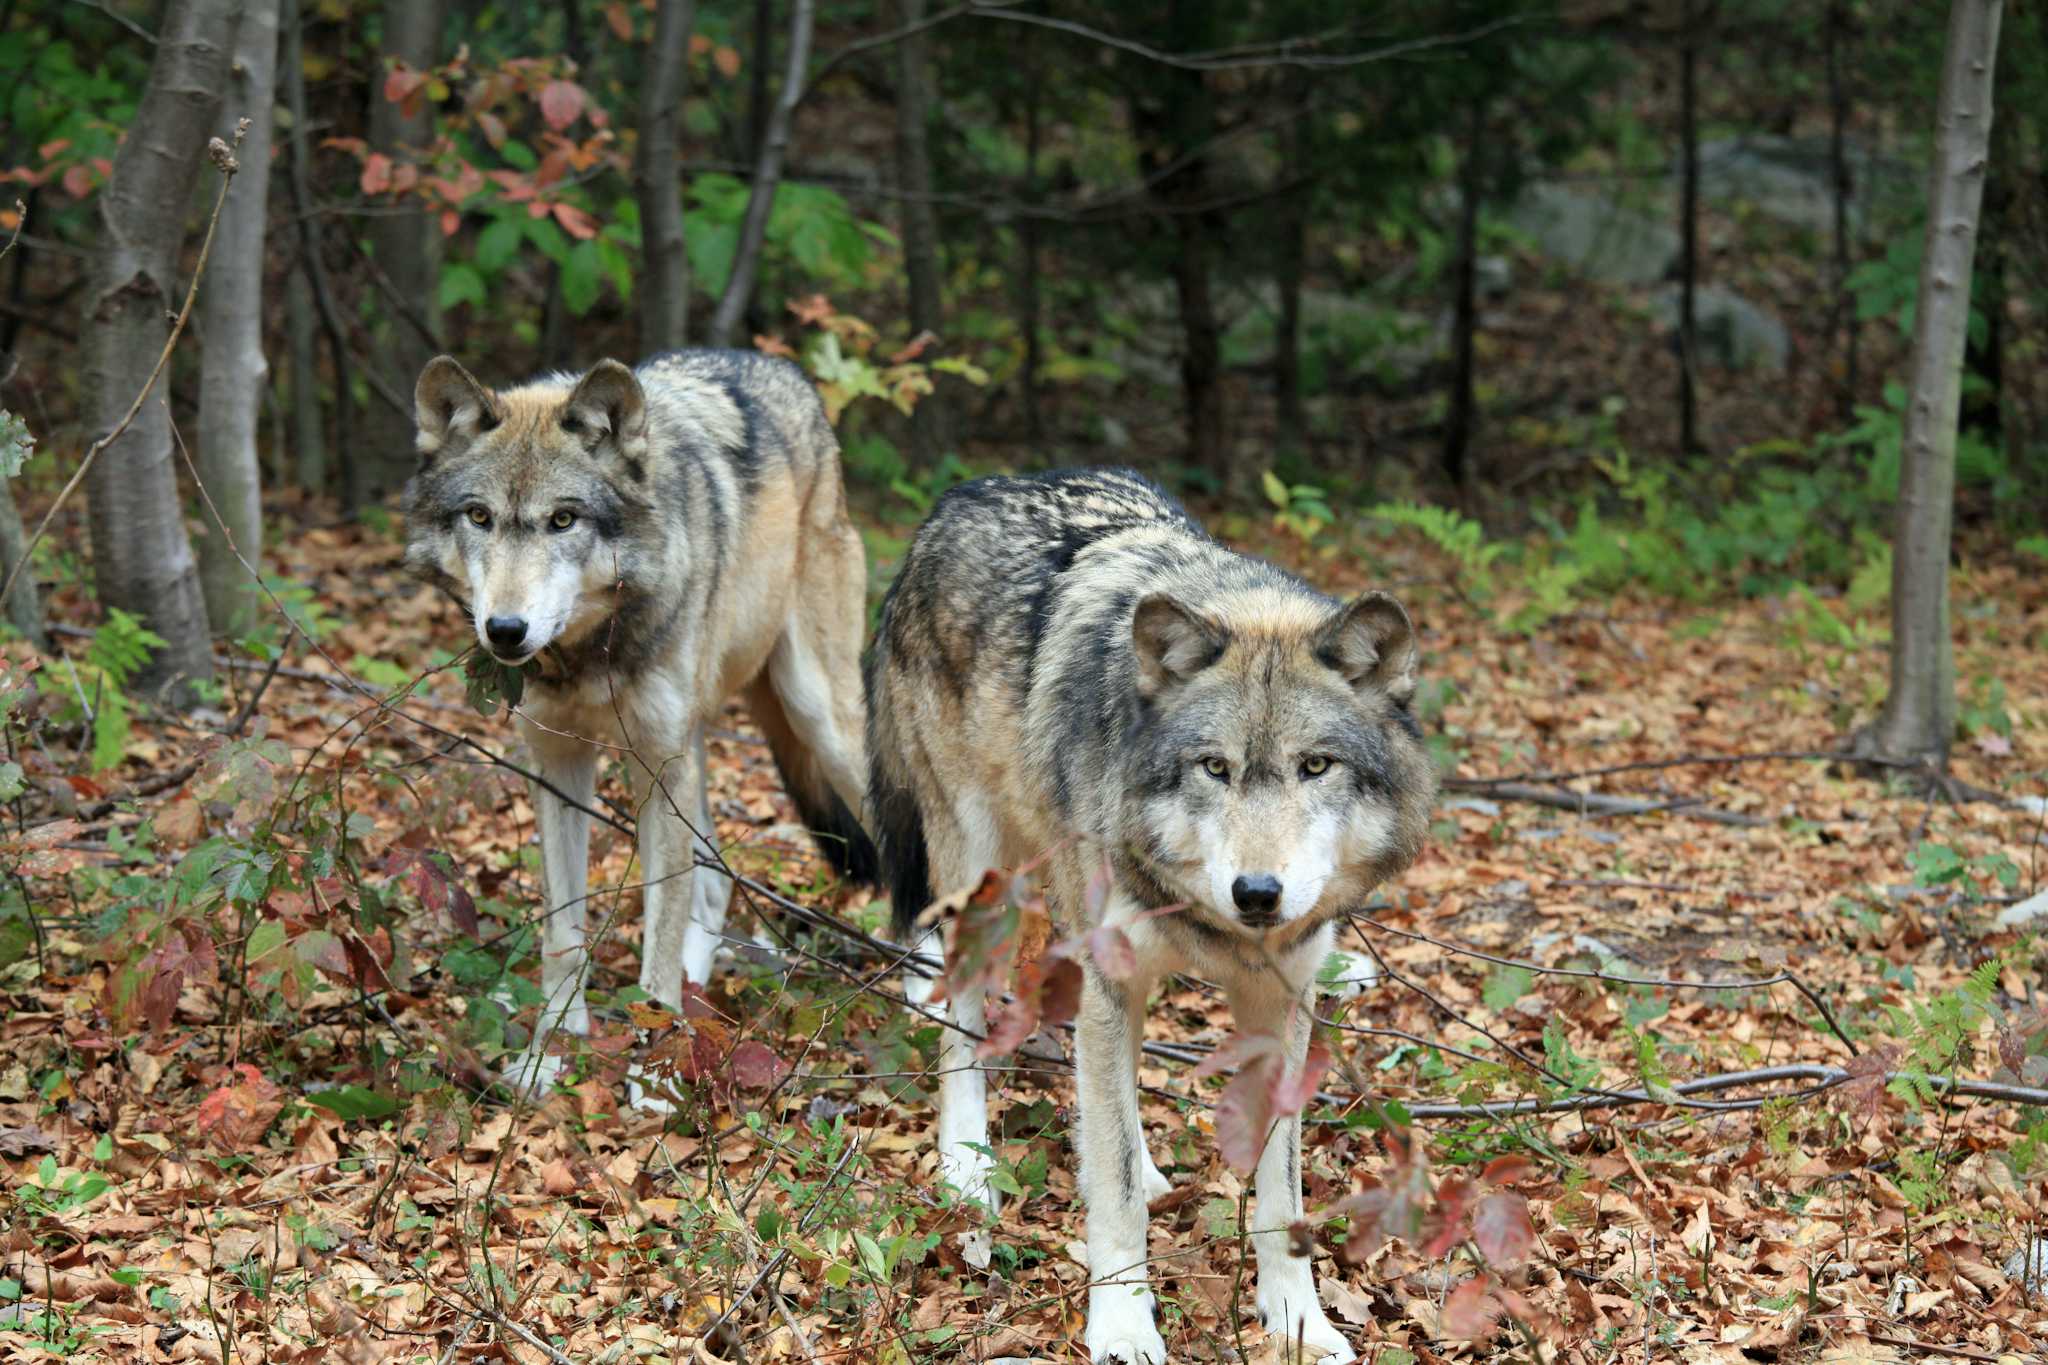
(1276, 491)
(11, 783)
(350, 1103)
(497, 244)
(582, 277)
(491, 684)
(461, 284)
(1505, 985)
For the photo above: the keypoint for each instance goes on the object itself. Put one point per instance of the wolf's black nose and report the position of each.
(506, 633)
(1257, 895)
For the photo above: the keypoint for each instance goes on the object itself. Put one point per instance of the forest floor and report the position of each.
(243, 1109)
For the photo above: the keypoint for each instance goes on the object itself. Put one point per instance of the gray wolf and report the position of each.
(648, 542)
(1068, 663)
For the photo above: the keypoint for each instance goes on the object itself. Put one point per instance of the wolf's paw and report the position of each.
(1308, 1337)
(1154, 1180)
(968, 1170)
(532, 1074)
(1120, 1327)
(1347, 975)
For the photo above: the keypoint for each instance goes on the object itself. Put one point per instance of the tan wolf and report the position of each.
(1068, 663)
(648, 542)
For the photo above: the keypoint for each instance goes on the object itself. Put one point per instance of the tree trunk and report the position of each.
(1465, 315)
(746, 264)
(232, 364)
(406, 246)
(929, 424)
(24, 605)
(1030, 298)
(665, 276)
(1844, 308)
(1172, 129)
(142, 561)
(309, 436)
(314, 473)
(1919, 714)
(1688, 227)
(1297, 153)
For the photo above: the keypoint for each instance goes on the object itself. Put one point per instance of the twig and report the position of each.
(225, 162)
(1734, 984)
(1586, 803)
(1934, 1348)
(1822, 1078)
(248, 711)
(1473, 784)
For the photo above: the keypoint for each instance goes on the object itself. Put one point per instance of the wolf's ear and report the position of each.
(609, 411)
(1173, 644)
(1372, 643)
(449, 406)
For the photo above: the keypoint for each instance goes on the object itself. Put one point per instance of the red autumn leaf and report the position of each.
(376, 176)
(812, 310)
(1291, 1093)
(575, 221)
(621, 21)
(1110, 949)
(911, 350)
(1059, 998)
(236, 1114)
(1503, 1231)
(727, 60)
(1009, 1030)
(493, 128)
(560, 103)
(77, 182)
(185, 956)
(49, 150)
(1471, 1312)
(1244, 1113)
(1507, 1170)
(439, 890)
(451, 222)
(769, 345)
(756, 1067)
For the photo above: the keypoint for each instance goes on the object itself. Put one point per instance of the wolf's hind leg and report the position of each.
(710, 890)
(1287, 1284)
(672, 784)
(570, 767)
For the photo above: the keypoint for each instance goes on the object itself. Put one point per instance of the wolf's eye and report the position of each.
(1217, 768)
(479, 516)
(562, 520)
(1315, 765)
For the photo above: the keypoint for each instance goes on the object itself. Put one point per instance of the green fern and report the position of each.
(120, 649)
(1457, 535)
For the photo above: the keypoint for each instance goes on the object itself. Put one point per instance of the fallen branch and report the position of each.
(1586, 803)
(1822, 1078)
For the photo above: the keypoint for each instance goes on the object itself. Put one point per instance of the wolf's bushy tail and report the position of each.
(905, 863)
(835, 829)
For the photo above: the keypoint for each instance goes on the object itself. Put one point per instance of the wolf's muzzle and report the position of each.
(507, 636)
(1257, 897)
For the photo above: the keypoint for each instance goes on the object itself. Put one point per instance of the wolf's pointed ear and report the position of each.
(609, 411)
(450, 406)
(1372, 643)
(1173, 644)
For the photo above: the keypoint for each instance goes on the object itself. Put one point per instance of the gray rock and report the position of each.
(1493, 276)
(1734, 333)
(1594, 235)
(2029, 1265)
(1789, 179)
(2032, 908)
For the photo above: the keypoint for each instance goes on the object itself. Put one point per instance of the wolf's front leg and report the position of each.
(1287, 1283)
(1112, 1155)
(570, 770)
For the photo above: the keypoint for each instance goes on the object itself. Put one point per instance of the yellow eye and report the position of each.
(479, 517)
(562, 520)
(1314, 766)
(1216, 768)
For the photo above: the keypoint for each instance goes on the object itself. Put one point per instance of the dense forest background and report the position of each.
(1679, 362)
